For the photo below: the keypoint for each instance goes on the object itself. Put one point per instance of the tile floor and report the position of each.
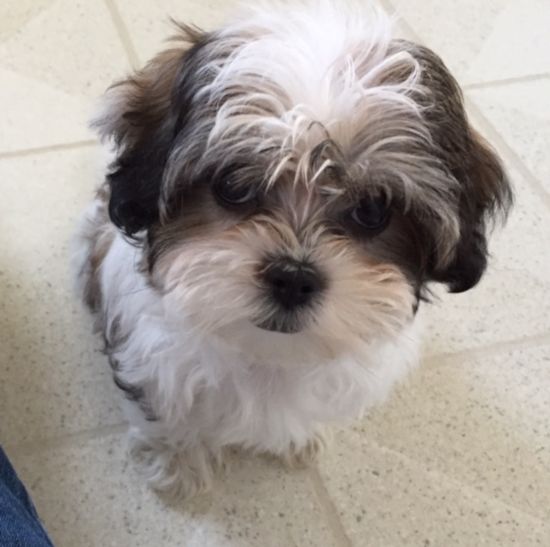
(461, 453)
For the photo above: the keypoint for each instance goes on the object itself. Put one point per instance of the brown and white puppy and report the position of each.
(283, 191)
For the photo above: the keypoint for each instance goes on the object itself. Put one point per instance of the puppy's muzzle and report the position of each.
(292, 288)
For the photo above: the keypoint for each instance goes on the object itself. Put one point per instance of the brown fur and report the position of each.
(147, 94)
(100, 241)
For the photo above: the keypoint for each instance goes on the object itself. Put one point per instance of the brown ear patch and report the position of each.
(141, 115)
(138, 104)
(485, 190)
(99, 238)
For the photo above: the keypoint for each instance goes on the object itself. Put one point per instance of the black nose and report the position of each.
(293, 283)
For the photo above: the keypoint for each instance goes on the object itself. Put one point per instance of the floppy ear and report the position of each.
(486, 194)
(142, 116)
(485, 191)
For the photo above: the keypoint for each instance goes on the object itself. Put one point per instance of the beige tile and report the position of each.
(483, 41)
(39, 115)
(54, 68)
(149, 25)
(517, 45)
(53, 378)
(484, 422)
(521, 115)
(385, 499)
(88, 495)
(14, 15)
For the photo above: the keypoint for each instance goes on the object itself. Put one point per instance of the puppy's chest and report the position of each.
(273, 393)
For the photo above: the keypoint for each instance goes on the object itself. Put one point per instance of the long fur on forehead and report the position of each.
(290, 81)
(306, 89)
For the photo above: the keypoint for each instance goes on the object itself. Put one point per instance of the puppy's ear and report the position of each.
(142, 116)
(486, 196)
(485, 193)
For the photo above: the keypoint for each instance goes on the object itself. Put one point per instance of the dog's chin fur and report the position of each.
(315, 109)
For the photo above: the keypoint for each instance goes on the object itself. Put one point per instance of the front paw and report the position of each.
(176, 474)
(307, 455)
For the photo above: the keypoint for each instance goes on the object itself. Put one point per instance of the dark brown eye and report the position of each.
(235, 194)
(372, 214)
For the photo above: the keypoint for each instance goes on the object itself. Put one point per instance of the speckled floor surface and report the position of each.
(460, 455)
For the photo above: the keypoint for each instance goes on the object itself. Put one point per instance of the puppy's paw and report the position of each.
(307, 455)
(177, 475)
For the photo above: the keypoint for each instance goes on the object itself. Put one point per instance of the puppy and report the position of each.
(283, 192)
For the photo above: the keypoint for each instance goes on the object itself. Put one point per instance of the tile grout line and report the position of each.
(327, 506)
(395, 12)
(31, 447)
(123, 33)
(434, 472)
(47, 149)
(497, 348)
(392, 9)
(388, 6)
(507, 81)
(515, 160)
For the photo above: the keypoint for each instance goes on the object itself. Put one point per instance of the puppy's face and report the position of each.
(290, 256)
(301, 175)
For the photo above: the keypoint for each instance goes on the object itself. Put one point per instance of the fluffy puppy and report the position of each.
(283, 190)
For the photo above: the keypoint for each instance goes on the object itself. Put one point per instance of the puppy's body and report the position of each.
(193, 394)
(282, 192)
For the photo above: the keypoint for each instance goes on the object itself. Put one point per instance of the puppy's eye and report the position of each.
(234, 194)
(372, 214)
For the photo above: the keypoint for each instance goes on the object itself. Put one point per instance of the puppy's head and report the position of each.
(301, 172)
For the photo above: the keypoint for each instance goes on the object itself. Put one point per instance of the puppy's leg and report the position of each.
(305, 456)
(177, 470)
